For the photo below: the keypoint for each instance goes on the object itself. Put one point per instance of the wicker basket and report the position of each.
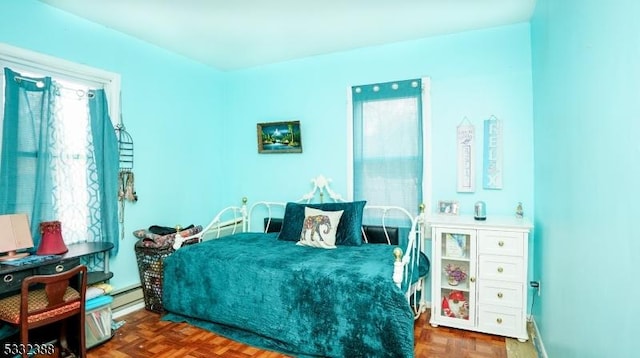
(151, 250)
(150, 265)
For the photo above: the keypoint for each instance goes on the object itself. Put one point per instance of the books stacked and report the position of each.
(98, 320)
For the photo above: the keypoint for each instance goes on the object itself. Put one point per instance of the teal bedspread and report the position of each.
(297, 300)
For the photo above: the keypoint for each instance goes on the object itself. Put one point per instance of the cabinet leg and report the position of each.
(522, 340)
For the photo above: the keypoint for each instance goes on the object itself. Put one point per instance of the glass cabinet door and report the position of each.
(455, 281)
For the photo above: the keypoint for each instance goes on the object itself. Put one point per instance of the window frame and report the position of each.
(426, 142)
(21, 59)
(34, 64)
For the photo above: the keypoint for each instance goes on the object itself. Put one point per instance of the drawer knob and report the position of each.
(500, 269)
(500, 243)
(8, 278)
(472, 279)
(59, 268)
(499, 320)
(499, 294)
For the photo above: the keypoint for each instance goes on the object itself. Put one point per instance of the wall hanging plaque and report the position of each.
(492, 168)
(466, 157)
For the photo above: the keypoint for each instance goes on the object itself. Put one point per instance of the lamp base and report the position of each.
(13, 255)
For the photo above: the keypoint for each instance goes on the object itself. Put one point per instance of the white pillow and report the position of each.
(319, 228)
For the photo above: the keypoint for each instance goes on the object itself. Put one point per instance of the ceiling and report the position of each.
(235, 34)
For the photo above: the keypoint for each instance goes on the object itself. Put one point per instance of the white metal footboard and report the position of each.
(228, 221)
(268, 210)
(406, 262)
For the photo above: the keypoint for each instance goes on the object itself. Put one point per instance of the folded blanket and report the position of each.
(97, 290)
(149, 239)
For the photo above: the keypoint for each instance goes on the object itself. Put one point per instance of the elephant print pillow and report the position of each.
(319, 228)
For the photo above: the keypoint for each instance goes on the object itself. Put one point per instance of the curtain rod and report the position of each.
(38, 83)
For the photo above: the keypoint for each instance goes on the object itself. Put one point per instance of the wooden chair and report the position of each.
(46, 299)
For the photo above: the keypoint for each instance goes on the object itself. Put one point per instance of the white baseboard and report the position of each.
(426, 306)
(127, 309)
(537, 341)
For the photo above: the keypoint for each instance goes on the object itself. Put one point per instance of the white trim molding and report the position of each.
(52, 66)
(537, 341)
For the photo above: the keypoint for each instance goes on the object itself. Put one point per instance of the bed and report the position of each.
(288, 287)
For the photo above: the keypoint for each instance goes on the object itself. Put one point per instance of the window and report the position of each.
(388, 123)
(73, 103)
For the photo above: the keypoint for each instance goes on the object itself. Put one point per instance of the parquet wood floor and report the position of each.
(146, 335)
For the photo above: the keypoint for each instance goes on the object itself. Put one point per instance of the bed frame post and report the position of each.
(245, 215)
(420, 227)
(398, 267)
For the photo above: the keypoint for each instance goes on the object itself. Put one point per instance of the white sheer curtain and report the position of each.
(388, 144)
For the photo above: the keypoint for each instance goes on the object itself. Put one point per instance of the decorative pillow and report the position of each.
(349, 230)
(319, 228)
(350, 227)
(292, 222)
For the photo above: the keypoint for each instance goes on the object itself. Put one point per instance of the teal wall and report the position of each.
(475, 74)
(171, 106)
(586, 109)
(195, 128)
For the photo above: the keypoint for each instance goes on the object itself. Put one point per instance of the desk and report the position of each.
(11, 276)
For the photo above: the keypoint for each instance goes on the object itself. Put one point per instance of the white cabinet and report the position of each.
(489, 258)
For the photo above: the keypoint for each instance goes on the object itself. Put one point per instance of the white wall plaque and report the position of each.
(492, 167)
(466, 157)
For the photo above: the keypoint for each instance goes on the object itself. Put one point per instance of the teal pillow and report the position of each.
(349, 229)
(292, 222)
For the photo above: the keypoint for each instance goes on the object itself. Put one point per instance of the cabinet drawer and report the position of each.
(501, 243)
(502, 268)
(499, 293)
(58, 267)
(500, 320)
(13, 281)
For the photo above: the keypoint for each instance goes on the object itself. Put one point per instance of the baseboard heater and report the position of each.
(126, 298)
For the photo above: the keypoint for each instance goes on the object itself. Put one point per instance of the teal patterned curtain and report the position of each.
(387, 143)
(59, 158)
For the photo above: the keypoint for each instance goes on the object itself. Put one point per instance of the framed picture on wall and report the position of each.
(448, 207)
(279, 137)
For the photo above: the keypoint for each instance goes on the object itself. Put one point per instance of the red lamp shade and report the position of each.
(51, 242)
